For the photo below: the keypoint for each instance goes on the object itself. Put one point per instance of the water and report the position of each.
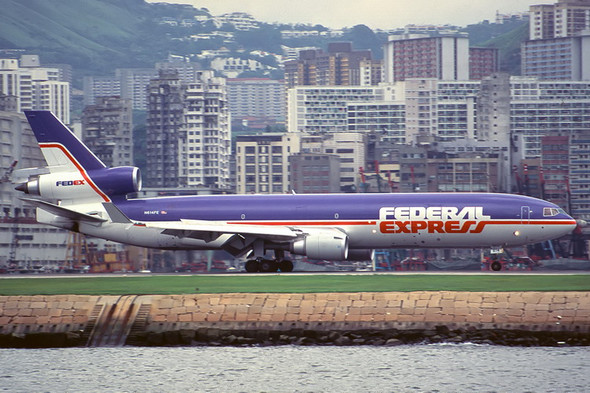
(412, 368)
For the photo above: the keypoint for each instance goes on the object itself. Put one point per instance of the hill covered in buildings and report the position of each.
(91, 35)
(97, 36)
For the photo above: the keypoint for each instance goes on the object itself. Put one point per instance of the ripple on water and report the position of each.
(423, 368)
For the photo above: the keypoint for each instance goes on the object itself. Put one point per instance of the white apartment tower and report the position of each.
(559, 41)
(188, 133)
(322, 109)
(566, 18)
(207, 136)
(257, 98)
(36, 87)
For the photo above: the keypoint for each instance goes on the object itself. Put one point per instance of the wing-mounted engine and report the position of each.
(322, 243)
(99, 183)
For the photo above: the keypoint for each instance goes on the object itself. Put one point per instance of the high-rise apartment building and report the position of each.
(541, 21)
(207, 138)
(404, 112)
(36, 87)
(322, 109)
(441, 57)
(23, 241)
(100, 86)
(443, 109)
(131, 83)
(493, 109)
(554, 169)
(107, 129)
(187, 71)
(483, 62)
(128, 83)
(464, 172)
(256, 98)
(579, 174)
(262, 162)
(387, 118)
(165, 127)
(565, 18)
(559, 41)
(418, 56)
(560, 58)
(370, 72)
(540, 108)
(351, 147)
(188, 135)
(339, 66)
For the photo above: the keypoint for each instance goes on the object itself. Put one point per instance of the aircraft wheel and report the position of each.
(496, 266)
(286, 266)
(252, 266)
(268, 266)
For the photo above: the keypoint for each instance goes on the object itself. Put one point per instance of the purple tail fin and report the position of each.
(60, 147)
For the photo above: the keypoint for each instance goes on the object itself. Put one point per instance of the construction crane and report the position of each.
(6, 177)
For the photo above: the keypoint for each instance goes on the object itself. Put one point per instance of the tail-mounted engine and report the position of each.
(101, 183)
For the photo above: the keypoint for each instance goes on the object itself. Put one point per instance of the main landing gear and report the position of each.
(268, 265)
(496, 265)
(259, 264)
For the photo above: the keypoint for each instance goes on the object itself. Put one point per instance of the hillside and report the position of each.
(509, 45)
(97, 36)
(93, 35)
(86, 31)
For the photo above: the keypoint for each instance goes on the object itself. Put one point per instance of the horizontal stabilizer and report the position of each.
(24, 174)
(62, 211)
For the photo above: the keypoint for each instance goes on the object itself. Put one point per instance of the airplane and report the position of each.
(77, 192)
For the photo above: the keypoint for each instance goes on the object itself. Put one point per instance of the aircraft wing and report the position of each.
(201, 229)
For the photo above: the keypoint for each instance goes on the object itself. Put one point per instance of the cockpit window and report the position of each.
(550, 211)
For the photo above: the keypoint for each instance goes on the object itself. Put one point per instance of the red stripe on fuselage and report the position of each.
(479, 227)
(78, 166)
(307, 223)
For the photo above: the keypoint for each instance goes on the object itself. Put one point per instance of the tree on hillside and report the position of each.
(267, 38)
(362, 37)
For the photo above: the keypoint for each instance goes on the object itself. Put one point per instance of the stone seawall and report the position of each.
(513, 318)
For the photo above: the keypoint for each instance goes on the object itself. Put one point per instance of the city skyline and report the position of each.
(376, 14)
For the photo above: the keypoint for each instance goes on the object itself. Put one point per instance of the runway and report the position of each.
(341, 273)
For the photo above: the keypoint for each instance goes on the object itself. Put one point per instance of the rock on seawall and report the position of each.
(379, 318)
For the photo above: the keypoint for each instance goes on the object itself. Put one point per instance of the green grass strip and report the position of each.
(157, 285)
